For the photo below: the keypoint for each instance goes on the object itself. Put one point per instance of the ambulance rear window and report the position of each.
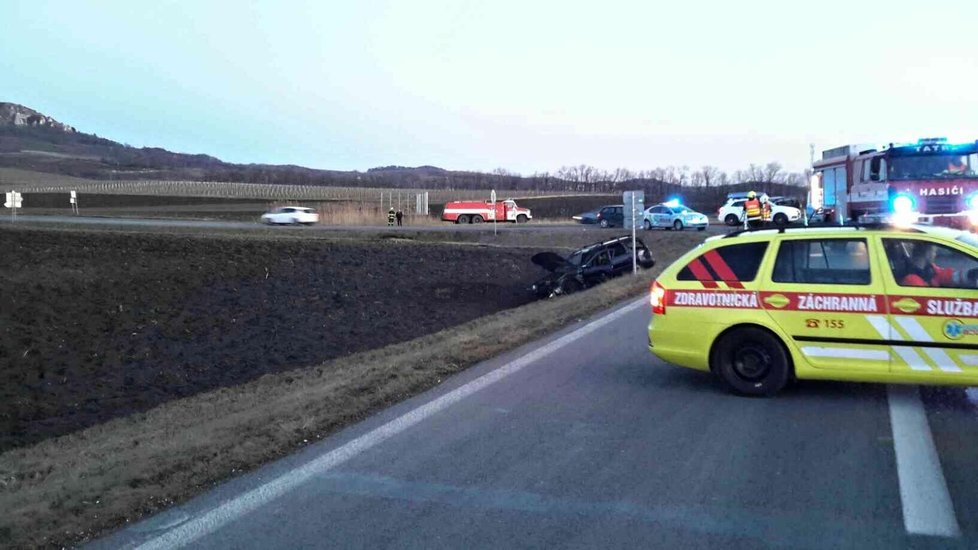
(736, 262)
(822, 261)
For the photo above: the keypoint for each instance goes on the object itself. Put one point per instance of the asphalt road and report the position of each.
(217, 224)
(586, 441)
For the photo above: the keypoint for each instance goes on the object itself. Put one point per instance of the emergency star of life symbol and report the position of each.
(954, 329)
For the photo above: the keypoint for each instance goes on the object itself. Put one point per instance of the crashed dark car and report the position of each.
(588, 266)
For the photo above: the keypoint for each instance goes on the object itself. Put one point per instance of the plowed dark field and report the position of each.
(96, 325)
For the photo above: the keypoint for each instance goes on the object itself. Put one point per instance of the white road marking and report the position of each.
(846, 353)
(237, 507)
(927, 506)
(972, 395)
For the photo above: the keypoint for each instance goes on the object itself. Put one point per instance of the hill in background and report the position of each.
(30, 140)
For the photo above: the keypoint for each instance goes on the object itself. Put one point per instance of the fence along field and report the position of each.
(33, 182)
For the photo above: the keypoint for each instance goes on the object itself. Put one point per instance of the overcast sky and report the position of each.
(525, 85)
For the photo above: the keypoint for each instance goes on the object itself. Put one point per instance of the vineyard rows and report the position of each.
(256, 191)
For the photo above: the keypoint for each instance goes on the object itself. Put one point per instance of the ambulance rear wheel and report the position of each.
(751, 361)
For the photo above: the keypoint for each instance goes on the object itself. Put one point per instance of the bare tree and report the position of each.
(709, 175)
(773, 173)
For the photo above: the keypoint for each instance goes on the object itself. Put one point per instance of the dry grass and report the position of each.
(347, 213)
(71, 489)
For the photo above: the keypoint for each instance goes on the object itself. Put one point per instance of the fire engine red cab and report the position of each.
(478, 212)
(932, 180)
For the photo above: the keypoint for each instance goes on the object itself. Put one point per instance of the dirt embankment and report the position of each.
(65, 490)
(95, 326)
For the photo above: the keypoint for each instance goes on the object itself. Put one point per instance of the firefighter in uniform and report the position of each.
(765, 209)
(752, 210)
(390, 217)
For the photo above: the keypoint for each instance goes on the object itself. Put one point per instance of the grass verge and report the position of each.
(71, 489)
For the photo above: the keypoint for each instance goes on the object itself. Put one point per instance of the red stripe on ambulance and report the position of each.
(702, 275)
(711, 298)
(722, 269)
(932, 306)
(822, 301)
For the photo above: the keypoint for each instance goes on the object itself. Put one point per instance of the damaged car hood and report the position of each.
(551, 261)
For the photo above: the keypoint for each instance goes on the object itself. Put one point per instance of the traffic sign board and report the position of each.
(14, 200)
(634, 202)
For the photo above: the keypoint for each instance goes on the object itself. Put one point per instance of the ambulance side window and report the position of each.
(823, 262)
(739, 260)
(915, 262)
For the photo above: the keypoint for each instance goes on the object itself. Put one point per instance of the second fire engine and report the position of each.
(486, 211)
(931, 181)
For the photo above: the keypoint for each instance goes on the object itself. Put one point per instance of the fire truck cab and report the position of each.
(931, 181)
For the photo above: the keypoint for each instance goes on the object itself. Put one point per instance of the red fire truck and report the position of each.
(932, 181)
(482, 211)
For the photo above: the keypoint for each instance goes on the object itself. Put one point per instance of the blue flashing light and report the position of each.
(903, 204)
(971, 201)
(672, 203)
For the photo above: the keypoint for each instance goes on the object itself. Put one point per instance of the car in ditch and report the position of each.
(672, 215)
(291, 215)
(588, 266)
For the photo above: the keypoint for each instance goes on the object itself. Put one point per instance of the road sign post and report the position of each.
(74, 203)
(634, 202)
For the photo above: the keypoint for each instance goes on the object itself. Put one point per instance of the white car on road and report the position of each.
(732, 213)
(291, 215)
(672, 215)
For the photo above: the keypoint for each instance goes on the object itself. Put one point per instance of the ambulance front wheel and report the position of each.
(751, 361)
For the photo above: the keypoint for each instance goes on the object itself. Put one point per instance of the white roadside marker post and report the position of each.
(634, 246)
(492, 212)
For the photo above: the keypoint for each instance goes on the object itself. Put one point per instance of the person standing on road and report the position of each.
(752, 210)
(390, 217)
(765, 209)
(400, 216)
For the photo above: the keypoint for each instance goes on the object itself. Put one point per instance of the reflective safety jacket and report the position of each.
(752, 208)
(936, 276)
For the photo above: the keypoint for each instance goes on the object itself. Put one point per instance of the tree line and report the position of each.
(93, 157)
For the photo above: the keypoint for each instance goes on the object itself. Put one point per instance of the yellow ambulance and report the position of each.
(858, 303)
